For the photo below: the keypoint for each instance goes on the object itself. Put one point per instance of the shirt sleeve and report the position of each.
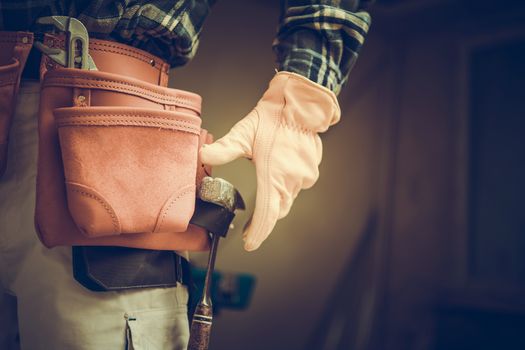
(321, 39)
(167, 28)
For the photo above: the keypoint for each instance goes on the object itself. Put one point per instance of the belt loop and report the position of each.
(164, 75)
(178, 263)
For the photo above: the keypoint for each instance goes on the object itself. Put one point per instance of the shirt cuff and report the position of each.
(319, 68)
(321, 42)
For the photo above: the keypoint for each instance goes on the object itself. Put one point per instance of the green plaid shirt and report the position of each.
(317, 39)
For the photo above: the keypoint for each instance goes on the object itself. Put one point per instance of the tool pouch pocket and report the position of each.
(128, 170)
(8, 82)
(117, 162)
(14, 49)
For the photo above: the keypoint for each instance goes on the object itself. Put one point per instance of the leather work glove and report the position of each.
(280, 136)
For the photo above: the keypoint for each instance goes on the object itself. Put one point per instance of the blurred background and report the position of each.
(414, 236)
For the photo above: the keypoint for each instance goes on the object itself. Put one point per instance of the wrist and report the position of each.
(306, 104)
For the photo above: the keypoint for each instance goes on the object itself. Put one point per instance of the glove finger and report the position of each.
(265, 215)
(238, 142)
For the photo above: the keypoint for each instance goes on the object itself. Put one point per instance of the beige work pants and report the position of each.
(41, 305)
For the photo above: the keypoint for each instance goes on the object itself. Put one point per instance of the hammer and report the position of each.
(215, 210)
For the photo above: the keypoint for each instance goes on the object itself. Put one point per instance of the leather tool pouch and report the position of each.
(14, 49)
(118, 168)
(128, 170)
(117, 162)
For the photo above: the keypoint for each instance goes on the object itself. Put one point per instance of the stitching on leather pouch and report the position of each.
(72, 76)
(114, 219)
(131, 53)
(10, 79)
(10, 37)
(176, 98)
(94, 115)
(182, 128)
(175, 122)
(155, 94)
(182, 193)
(120, 49)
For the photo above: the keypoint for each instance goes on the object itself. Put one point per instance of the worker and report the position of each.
(42, 305)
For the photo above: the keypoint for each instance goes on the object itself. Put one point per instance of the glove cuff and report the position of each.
(307, 105)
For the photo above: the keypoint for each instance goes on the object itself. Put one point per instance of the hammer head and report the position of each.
(220, 192)
(216, 204)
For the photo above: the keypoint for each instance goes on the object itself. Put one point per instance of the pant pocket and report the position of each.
(128, 170)
(157, 329)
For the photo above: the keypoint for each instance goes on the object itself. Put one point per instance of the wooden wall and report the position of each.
(397, 159)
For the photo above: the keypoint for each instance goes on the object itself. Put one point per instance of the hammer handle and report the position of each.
(201, 328)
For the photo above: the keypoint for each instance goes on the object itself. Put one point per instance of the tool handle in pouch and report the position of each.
(201, 327)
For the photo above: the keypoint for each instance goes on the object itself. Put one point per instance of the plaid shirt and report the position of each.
(317, 39)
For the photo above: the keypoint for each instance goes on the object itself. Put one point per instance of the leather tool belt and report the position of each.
(126, 170)
(117, 160)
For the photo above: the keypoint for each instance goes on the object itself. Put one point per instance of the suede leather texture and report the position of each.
(14, 49)
(128, 170)
(117, 162)
(281, 137)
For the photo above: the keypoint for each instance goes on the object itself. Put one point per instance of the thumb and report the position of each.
(238, 142)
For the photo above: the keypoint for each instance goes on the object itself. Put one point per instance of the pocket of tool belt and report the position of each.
(128, 170)
(8, 81)
(120, 176)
